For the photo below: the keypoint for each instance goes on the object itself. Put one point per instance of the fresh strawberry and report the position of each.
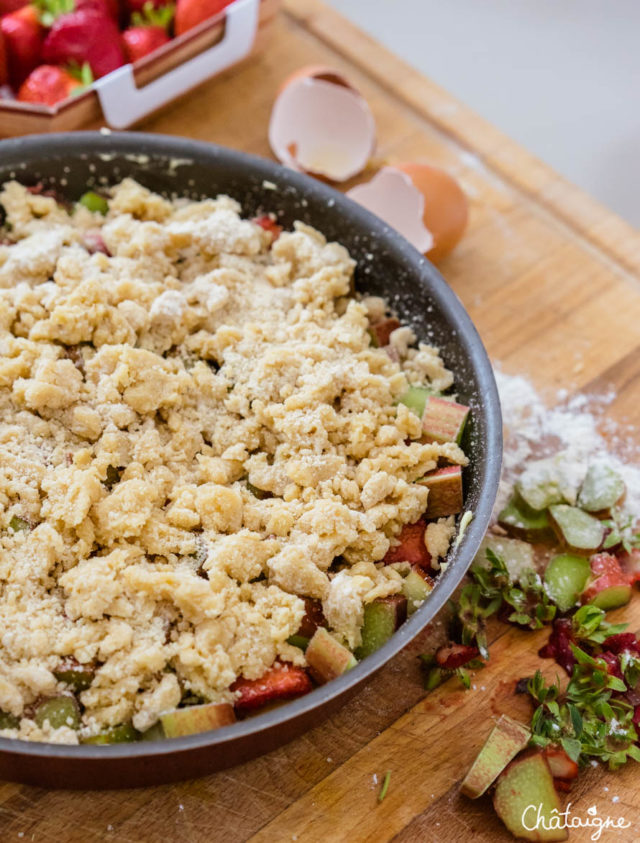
(452, 656)
(139, 41)
(411, 548)
(23, 36)
(190, 13)
(50, 10)
(8, 6)
(143, 6)
(269, 224)
(48, 84)
(4, 71)
(281, 682)
(85, 36)
(148, 31)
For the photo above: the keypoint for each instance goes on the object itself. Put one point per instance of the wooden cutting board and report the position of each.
(550, 278)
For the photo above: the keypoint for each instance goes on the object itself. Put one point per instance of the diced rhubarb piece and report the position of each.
(558, 646)
(452, 656)
(327, 658)
(416, 587)
(381, 619)
(299, 641)
(506, 740)
(268, 223)
(415, 398)
(523, 522)
(565, 578)
(601, 489)
(313, 617)
(58, 712)
(281, 682)
(526, 799)
(381, 331)
(518, 556)
(77, 676)
(411, 548)
(576, 528)
(443, 420)
(609, 587)
(196, 718)
(445, 491)
(125, 733)
(561, 766)
(548, 481)
(8, 721)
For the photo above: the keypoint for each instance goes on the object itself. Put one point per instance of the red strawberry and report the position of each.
(139, 41)
(269, 224)
(452, 655)
(190, 13)
(7, 6)
(411, 548)
(23, 34)
(85, 36)
(559, 645)
(48, 84)
(4, 73)
(281, 682)
(109, 7)
(140, 6)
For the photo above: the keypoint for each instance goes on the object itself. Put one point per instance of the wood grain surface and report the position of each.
(550, 278)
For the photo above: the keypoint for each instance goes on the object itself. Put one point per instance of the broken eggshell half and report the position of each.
(423, 203)
(321, 125)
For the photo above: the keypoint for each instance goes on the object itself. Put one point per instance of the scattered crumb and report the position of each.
(615, 798)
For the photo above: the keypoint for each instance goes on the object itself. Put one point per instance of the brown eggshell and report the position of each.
(446, 209)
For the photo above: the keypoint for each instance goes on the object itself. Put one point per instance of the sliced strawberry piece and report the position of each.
(623, 642)
(4, 70)
(559, 645)
(140, 41)
(452, 655)
(269, 224)
(561, 765)
(48, 85)
(191, 13)
(281, 682)
(85, 36)
(613, 666)
(383, 330)
(23, 36)
(563, 785)
(411, 548)
(313, 617)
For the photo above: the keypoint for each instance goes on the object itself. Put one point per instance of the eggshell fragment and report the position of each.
(425, 204)
(321, 125)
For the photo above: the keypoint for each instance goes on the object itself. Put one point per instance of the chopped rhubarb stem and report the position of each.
(381, 331)
(269, 224)
(443, 421)
(445, 491)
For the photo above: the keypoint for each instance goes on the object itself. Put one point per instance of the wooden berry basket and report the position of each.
(125, 96)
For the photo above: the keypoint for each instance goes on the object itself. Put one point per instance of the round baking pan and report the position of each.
(386, 265)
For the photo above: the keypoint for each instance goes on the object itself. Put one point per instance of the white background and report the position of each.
(562, 77)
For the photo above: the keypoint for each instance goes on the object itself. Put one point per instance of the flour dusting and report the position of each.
(571, 431)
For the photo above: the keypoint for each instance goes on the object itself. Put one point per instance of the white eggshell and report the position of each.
(392, 196)
(322, 128)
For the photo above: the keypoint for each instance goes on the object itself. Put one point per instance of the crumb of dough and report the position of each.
(143, 387)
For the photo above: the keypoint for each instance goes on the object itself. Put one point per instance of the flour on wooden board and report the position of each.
(573, 428)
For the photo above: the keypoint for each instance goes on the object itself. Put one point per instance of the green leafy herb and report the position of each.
(590, 626)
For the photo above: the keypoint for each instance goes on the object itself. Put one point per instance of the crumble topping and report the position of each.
(148, 390)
